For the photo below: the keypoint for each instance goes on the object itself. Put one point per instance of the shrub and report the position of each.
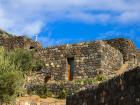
(22, 59)
(38, 64)
(11, 85)
(25, 60)
(11, 78)
(100, 78)
(95, 80)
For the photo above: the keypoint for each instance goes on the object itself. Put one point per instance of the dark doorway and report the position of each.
(70, 68)
(32, 47)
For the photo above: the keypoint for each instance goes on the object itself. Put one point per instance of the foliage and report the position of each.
(63, 92)
(11, 84)
(100, 78)
(38, 64)
(13, 65)
(11, 79)
(22, 59)
(95, 80)
(25, 60)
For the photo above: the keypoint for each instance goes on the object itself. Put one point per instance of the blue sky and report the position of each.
(71, 21)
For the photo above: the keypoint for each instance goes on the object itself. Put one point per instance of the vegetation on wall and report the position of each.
(95, 80)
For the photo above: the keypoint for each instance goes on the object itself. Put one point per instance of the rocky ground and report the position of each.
(35, 100)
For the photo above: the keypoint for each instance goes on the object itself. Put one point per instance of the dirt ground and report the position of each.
(35, 100)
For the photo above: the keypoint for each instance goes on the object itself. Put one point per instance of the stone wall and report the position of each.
(125, 46)
(121, 90)
(90, 59)
(13, 42)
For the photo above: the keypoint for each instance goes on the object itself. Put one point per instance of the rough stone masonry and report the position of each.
(76, 61)
(120, 90)
(88, 59)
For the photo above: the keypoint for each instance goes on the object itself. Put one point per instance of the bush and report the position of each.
(13, 65)
(95, 80)
(25, 60)
(38, 65)
(11, 78)
(22, 59)
(11, 85)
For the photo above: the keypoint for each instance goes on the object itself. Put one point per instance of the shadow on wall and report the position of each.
(121, 90)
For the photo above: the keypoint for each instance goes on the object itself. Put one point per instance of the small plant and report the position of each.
(95, 80)
(38, 65)
(100, 78)
(49, 94)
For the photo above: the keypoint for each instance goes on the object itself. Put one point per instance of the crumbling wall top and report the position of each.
(125, 46)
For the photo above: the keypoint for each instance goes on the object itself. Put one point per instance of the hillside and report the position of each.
(9, 41)
(4, 33)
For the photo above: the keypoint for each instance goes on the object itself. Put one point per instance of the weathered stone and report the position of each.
(90, 58)
(109, 92)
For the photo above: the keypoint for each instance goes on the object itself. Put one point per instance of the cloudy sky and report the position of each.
(71, 21)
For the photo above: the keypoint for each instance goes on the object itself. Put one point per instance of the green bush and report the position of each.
(13, 65)
(25, 60)
(38, 65)
(100, 78)
(95, 80)
(22, 59)
(11, 85)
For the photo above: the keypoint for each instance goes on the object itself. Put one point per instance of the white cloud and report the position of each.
(29, 16)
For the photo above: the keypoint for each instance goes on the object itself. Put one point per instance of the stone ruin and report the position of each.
(88, 59)
(76, 61)
(120, 90)
(84, 60)
(117, 59)
(11, 42)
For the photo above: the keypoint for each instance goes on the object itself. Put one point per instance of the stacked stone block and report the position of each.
(121, 90)
(13, 42)
(90, 59)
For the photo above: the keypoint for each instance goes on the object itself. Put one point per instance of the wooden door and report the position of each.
(69, 72)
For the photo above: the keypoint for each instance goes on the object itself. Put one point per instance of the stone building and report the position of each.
(76, 61)
(88, 59)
